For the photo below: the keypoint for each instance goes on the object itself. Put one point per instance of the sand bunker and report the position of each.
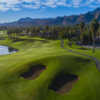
(63, 83)
(33, 72)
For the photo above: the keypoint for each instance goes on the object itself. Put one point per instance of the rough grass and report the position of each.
(15, 87)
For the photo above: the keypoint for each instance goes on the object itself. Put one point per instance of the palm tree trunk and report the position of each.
(62, 43)
(93, 43)
(93, 46)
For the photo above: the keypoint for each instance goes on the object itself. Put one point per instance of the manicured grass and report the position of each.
(56, 59)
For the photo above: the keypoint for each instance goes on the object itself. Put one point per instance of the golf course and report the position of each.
(49, 49)
(41, 70)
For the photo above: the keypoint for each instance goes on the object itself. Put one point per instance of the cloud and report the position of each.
(76, 3)
(36, 4)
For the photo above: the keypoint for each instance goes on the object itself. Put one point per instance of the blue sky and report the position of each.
(11, 10)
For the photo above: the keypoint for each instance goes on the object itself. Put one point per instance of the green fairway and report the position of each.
(56, 59)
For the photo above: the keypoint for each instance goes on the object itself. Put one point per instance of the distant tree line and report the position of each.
(84, 33)
(49, 32)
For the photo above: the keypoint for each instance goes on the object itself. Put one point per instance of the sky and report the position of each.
(12, 10)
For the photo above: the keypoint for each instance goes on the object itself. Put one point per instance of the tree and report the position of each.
(61, 39)
(93, 29)
(82, 26)
(70, 32)
(13, 32)
(98, 33)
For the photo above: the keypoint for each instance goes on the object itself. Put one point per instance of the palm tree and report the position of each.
(70, 31)
(94, 29)
(98, 32)
(82, 26)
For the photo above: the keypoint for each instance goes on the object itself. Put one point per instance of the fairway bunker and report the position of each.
(33, 72)
(63, 83)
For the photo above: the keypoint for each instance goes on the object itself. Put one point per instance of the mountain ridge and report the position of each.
(65, 20)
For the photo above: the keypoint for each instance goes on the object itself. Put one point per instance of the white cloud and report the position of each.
(35, 4)
(76, 3)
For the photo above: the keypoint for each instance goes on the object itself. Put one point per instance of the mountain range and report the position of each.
(65, 20)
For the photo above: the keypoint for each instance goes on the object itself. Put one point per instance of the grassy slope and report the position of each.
(14, 87)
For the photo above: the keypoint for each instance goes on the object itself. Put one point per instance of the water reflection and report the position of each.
(7, 50)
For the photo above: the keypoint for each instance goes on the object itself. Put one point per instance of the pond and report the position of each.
(4, 50)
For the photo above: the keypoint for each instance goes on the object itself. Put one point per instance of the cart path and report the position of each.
(97, 61)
